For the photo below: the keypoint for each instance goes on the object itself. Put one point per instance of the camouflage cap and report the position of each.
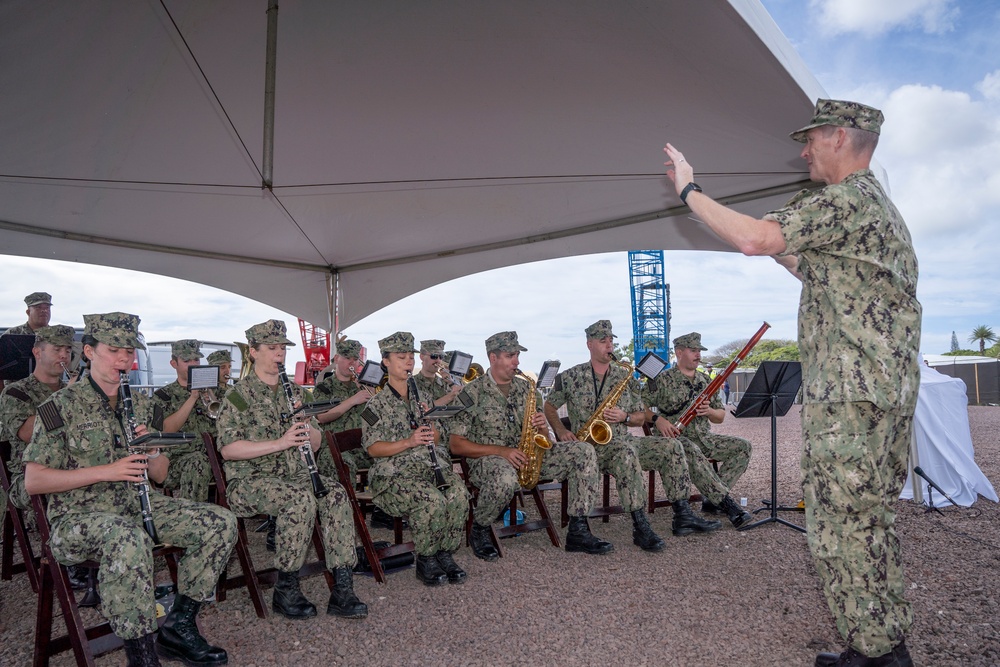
(57, 334)
(432, 346)
(37, 298)
(272, 332)
(349, 348)
(220, 357)
(600, 329)
(114, 329)
(401, 341)
(842, 114)
(186, 350)
(691, 341)
(505, 341)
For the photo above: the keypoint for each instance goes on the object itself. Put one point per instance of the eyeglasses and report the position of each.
(435, 357)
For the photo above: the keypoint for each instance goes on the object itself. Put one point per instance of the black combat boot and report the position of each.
(708, 507)
(288, 599)
(737, 515)
(456, 575)
(897, 657)
(381, 519)
(579, 538)
(642, 533)
(429, 571)
(687, 522)
(77, 577)
(343, 601)
(92, 597)
(141, 652)
(482, 545)
(179, 638)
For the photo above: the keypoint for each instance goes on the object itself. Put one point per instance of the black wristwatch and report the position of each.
(656, 415)
(688, 189)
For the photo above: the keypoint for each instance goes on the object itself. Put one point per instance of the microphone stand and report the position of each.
(931, 485)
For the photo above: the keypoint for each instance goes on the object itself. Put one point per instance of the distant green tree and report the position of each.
(993, 351)
(765, 350)
(625, 353)
(983, 334)
(954, 342)
(960, 353)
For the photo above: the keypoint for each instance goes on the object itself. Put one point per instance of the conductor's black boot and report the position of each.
(288, 599)
(456, 575)
(687, 522)
(579, 538)
(482, 545)
(179, 638)
(642, 533)
(343, 601)
(897, 657)
(429, 571)
(141, 652)
(737, 515)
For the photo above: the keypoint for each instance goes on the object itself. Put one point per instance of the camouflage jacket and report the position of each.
(859, 318)
(170, 399)
(492, 418)
(388, 417)
(333, 388)
(254, 411)
(431, 389)
(20, 329)
(672, 392)
(18, 401)
(77, 428)
(582, 391)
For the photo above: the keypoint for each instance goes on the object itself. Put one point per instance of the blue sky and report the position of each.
(933, 66)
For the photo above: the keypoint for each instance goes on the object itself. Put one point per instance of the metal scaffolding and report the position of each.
(650, 304)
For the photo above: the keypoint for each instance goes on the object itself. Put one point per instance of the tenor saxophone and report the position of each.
(597, 431)
(532, 443)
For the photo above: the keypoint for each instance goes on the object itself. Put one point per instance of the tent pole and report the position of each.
(270, 64)
(333, 303)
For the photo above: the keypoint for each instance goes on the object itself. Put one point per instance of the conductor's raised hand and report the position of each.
(678, 169)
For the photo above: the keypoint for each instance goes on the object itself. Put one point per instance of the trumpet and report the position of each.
(212, 404)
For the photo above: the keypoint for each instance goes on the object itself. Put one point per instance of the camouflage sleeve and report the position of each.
(631, 400)
(384, 420)
(15, 408)
(460, 423)
(232, 421)
(814, 219)
(48, 445)
(557, 397)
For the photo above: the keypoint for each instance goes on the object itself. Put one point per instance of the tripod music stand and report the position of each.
(771, 393)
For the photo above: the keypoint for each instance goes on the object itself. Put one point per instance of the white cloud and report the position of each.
(874, 18)
(990, 85)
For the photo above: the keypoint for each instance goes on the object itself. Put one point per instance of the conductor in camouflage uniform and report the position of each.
(859, 333)
(19, 401)
(489, 431)
(259, 441)
(671, 392)
(341, 386)
(177, 408)
(402, 479)
(78, 457)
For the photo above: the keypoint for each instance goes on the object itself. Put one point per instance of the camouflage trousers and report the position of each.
(853, 469)
(355, 460)
(189, 476)
(573, 463)
(121, 546)
(665, 456)
(291, 501)
(620, 459)
(437, 519)
(732, 453)
(703, 474)
(19, 498)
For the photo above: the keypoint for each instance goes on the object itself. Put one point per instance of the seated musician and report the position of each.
(489, 432)
(78, 458)
(671, 392)
(433, 379)
(589, 391)
(224, 360)
(266, 474)
(403, 480)
(343, 386)
(181, 409)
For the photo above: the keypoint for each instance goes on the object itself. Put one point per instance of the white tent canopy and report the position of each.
(413, 142)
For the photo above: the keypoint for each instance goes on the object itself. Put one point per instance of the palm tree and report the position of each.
(983, 334)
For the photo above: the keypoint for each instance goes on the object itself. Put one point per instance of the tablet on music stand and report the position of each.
(651, 365)
(203, 377)
(371, 374)
(459, 364)
(547, 376)
(317, 408)
(160, 440)
(443, 412)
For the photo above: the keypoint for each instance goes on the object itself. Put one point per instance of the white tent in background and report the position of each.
(414, 142)
(944, 443)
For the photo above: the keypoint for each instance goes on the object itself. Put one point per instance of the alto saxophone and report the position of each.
(532, 443)
(597, 431)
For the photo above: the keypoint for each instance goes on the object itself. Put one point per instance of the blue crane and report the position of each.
(650, 304)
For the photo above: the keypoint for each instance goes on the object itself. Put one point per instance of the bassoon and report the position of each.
(716, 384)
(305, 448)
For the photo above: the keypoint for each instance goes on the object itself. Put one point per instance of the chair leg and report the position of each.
(544, 513)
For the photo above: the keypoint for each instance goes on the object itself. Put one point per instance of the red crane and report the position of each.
(316, 348)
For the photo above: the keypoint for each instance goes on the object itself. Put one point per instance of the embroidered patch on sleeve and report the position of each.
(162, 394)
(50, 416)
(236, 398)
(19, 395)
(370, 417)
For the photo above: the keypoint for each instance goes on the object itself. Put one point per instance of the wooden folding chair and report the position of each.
(653, 501)
(14, 527)
(345, 441)
(53, 579)
(252, 578)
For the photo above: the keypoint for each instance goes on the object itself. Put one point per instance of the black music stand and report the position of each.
(771, 393)
(16, 360)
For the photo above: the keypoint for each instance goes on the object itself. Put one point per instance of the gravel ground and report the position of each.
(728, 598)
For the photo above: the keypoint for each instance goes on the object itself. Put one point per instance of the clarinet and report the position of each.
(305, 448)
(439, 481)
(129, 426)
